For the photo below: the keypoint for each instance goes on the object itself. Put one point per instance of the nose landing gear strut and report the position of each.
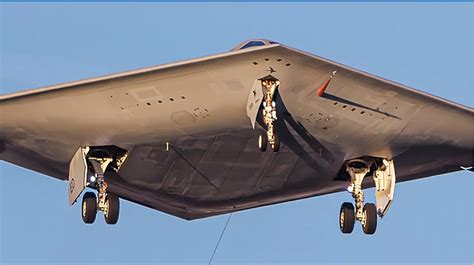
(269, 85)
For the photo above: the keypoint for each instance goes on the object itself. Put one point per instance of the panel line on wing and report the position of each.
(191, 165)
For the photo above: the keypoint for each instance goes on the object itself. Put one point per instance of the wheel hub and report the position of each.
(84, 208)
(341, 219)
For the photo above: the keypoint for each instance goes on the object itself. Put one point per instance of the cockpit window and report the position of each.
(252, 44)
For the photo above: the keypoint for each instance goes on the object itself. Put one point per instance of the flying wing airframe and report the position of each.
(261, 124)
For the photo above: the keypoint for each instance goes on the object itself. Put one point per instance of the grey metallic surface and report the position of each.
(214, 165)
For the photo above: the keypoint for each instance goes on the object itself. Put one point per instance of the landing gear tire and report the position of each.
(111, 215)
(370, 224)
(262, 142)
(89, 207)
(276, 144)
(347, 218)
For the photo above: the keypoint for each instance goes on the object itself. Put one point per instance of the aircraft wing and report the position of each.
(191, 147)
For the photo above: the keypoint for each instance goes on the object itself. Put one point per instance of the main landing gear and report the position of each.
(106, 202)
(269, 86)
(383, 173)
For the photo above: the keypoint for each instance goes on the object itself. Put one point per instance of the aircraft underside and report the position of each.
(259, 125)
(186, 168)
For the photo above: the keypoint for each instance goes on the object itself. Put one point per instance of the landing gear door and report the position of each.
(77, 174)
(384, 187)
(254, 100)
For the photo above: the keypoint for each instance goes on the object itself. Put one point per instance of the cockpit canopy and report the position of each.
(253, 43)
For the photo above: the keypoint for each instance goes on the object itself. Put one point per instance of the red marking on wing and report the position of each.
(321, 89)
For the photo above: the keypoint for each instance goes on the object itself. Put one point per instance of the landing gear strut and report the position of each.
(269, 86)
(106, 202)
(384, 178)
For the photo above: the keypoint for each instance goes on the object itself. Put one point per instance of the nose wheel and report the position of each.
(262, 142)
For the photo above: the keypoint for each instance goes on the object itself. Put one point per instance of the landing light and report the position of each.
(350, 188)
(92, 178)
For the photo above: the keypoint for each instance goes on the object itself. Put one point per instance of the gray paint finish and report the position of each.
(214, 165)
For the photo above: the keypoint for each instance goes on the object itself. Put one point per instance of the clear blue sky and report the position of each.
(428, 46)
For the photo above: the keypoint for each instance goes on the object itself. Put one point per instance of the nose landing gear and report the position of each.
(269, 85)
